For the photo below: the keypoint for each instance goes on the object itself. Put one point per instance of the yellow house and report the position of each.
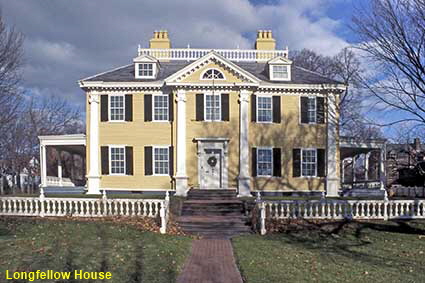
(182, 118)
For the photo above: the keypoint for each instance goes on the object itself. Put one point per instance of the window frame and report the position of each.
(154, 147)
(153, 107)
(205, 107)
(257, 109)
(315, 110)
(109, 107)
(138, 76)
(271, 160)
(214, 69)
(274, 78)
(110, 160)
(315, 163)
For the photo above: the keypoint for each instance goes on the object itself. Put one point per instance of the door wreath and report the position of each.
(212, 161)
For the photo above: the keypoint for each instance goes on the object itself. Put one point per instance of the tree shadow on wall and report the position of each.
(287, 135)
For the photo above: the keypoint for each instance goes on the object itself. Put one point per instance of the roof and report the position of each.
(126, 73)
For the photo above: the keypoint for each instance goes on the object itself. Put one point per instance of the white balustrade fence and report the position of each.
(190, 54)
(340, 209)
(85, 207)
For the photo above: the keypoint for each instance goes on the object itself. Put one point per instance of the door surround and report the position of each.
(213, 143)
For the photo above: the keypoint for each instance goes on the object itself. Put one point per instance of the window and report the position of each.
(116, 107)
(308, 162)
(145, 70)
(160, 108)
(213, 74)
(117, 159)
(160, 160)
(280, 72)
(212, 107)
(264, 109)
(264, 162)
(311, 110)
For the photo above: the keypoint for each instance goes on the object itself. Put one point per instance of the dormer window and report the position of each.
(212, 74)
(145, 67)
(280, 69)
(146, 70)
(280, 72)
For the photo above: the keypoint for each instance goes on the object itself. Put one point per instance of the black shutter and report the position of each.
(277, 162)
(225, 107)
(104, 157)
(321, 162)
(148, 161)
(199, 107)
(104, 108)
(148, 107)
(253, 108)
(304, 109)
(276, 109)
(296, 162)
(129, 107)
(320, 110)
(254, 162)
(129, 160)
(171, 160)
(171, 107)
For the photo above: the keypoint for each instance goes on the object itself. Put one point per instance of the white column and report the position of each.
(43, 165)
(332, 179)
(181, 177)
(382, 159)
(366, 166)
(60, 169)
(93, 178)
(243, 178)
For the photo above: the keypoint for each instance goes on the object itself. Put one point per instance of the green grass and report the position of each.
(346, 252)
(131, 255)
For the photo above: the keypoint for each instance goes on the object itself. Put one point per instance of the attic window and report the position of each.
(280, 72)
(212, 74)
(145, 70)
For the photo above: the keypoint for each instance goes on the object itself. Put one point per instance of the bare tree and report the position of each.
(11, 53)
(344, 67)
(392, 33)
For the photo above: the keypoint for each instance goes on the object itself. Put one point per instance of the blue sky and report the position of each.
(69, 40)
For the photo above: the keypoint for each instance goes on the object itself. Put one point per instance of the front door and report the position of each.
(211, 168)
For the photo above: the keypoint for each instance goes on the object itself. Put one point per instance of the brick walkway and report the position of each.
(211, 261)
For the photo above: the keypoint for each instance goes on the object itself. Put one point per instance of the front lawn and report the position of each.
(345, 252)
(131, 255)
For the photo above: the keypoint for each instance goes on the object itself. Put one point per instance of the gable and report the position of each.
(192, 72)
(280, 60)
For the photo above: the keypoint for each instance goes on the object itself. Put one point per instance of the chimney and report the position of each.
(160, 40)
(265, 40)
(417, 144)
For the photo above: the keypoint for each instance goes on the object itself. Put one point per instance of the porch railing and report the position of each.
(340, 209)
(85, 207)
(190, 54)
(362, 185)
(59, 182)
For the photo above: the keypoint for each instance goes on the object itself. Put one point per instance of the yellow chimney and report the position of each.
(160, 40)
(265, 40)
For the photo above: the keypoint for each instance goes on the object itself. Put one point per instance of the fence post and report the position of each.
(105, 203)
(167, 206)
(162, 213)
(263, 230)
(385, 205)
(41, 202)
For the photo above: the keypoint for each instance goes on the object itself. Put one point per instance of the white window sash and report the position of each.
(258, 109)
(258, 162)
(153, 108)
(109, 108)
(314, 110)
(214, 114)
(315, 163)
(154, 160)
(110, 160)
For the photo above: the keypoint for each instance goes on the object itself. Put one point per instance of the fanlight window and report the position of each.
(213, 74)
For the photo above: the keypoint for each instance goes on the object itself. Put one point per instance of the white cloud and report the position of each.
(66, 42)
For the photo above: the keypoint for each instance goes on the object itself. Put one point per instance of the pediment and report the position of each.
(280, 60)
(145, 59)
(232, 72)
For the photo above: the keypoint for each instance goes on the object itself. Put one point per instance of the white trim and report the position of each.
(268, 148)
(201, 77)
(153, 107)
(299, 110)
(137, 70)
(109, 160)
(271, 72)
(153, 159)
(301, 163)
(109, 108)
(256, 109)
(137, 189)
(77, 139)
(205, 106)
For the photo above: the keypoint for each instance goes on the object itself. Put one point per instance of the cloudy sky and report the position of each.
(69, 40)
